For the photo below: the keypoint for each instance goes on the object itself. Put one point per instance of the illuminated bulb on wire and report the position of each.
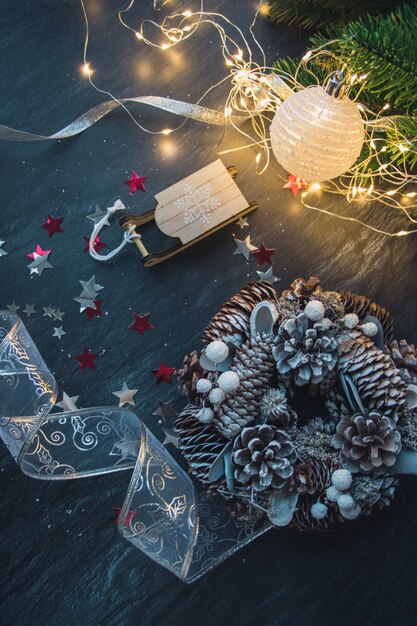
(166, 131)
(385, 107)
(229, 63)
(411, 194)
(391, 192)
(258, 158)
(314, 187)
(87, 70)
(403, 148)
(139, 36)
(187, 13)
(165, 46)
(307, 56)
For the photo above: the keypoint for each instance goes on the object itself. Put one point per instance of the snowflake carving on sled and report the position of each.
(197, 203)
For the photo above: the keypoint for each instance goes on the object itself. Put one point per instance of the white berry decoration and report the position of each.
(203, 385)
(217, 351)
(228, 381)
(351, 513)
(332, 494)
(216, 396)
(319, 510)
(369, 329)
(345, 501)
(315, 310)
(342, 479)
(351, 320)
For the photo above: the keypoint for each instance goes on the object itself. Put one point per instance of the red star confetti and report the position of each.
(39, 252)
(263, 255)
(128, 517)
(163, 373)
(295, 183)
(135, 183)
(53, 225)
(93, 312)
(98, 245)
(86, 360)
(141, 323)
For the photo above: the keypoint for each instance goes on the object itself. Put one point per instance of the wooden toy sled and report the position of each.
(192, 209)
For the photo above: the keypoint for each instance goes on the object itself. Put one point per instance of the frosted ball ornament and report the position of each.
(317, 134)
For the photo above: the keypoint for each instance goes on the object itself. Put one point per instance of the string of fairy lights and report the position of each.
(257, 91)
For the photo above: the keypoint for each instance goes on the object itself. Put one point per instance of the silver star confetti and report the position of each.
(243, 222)
(268, 276)
(125, 395)
(164, 410)
(29, 310)
(98, 215)
(85, 303)
(68, 403)
(244, 247)
(40, 263)
(58, 332)
(13, 307)
(48, 311)
(58, 314)
(170, 437)
(88, 294)
(2, 252)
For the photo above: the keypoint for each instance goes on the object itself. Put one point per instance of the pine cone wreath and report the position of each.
(376, 378)
(199, 443)
(263, 457)
(304, 352)
(362, 306)
(313, 476)
(233, 317)
(255, 367)
(367, 443)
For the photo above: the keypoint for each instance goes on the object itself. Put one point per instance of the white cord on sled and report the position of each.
(128, 237)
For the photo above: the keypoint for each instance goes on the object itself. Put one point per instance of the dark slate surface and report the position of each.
(62, 560)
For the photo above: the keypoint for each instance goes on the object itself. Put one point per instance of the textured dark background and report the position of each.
(62, 560)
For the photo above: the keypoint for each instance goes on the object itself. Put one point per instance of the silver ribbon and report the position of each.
(163, 515)
(184, 109)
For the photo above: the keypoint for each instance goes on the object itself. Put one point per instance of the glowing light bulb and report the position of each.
(165, 46)
(258, 158)
(411, 194)
(139, 36)
(385, 107)
(87, 71)
(187, 13)
(403, 148)
(391, 192)
(307, 55)
(314, 187)
(166, 131)
(229, 63)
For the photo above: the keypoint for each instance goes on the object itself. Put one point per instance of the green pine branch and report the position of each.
(321, 13)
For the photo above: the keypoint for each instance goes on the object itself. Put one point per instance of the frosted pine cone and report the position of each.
(189, 374)
(362, 306)
(404, 356)
(376, 378)
(304, 351)
(233, 318)
(255, 366)
(367, 443)
(370, 492)
(263, 457)
(314, 475)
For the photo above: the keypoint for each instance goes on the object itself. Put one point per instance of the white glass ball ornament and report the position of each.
(317, 136)
(217, 351)
(228, 381)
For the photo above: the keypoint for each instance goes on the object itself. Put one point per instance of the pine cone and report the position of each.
(334, 308)
(189, 374)
(199, 443)
(404, 356)
(313, 476)
(263, 457)
(303, 520)
(304, 351)
(255, 367)
(233, 317)
(370, 492)
(302, 289)
(377, 379)
(367, 443)
(408, 430)
(362, 306)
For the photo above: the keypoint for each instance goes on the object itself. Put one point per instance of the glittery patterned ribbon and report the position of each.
(184, 109)
(163, 515)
